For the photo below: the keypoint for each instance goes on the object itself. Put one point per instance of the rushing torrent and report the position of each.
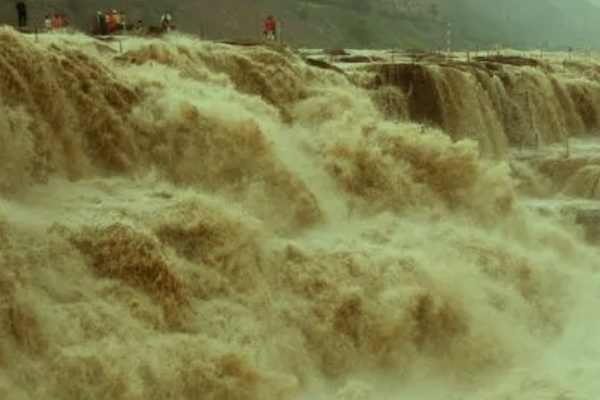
(192, 220)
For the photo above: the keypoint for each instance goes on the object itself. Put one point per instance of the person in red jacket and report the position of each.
(55, 23)
(270, 26)
(111, 22)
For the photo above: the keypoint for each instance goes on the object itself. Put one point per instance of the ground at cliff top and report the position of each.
(358, 23)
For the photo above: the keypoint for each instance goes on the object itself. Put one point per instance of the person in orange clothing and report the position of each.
(111, 22)
(55, 23)
(270, 27)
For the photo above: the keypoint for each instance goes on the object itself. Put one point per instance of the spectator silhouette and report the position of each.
(22, 12)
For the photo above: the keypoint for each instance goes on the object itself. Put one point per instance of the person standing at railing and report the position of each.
(22, 13)
(166, 22)
(111, 22)
(56, 23)
(100, 27)
(270, 27)
(117, 20)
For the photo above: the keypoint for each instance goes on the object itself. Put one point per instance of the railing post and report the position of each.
(280, 31)
(448, 39)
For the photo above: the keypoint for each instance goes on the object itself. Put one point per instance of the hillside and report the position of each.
(360, 23)
(555, 24)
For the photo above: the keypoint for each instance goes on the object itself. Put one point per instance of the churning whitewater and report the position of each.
(193, 220)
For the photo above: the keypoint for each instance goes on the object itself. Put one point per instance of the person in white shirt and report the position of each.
(165, 21)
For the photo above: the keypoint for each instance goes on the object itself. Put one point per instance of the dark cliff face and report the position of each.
(423, 96)
(499, 101)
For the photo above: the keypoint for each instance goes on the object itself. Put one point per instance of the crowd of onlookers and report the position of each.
(55, 22)
(114, 21)
(103, 23)
(52, 23)
(109, 23)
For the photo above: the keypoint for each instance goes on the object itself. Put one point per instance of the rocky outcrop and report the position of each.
(359, 59)
(422, 94)
(500, 101)
(590, 220)
(509, 60)
(323, 65)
